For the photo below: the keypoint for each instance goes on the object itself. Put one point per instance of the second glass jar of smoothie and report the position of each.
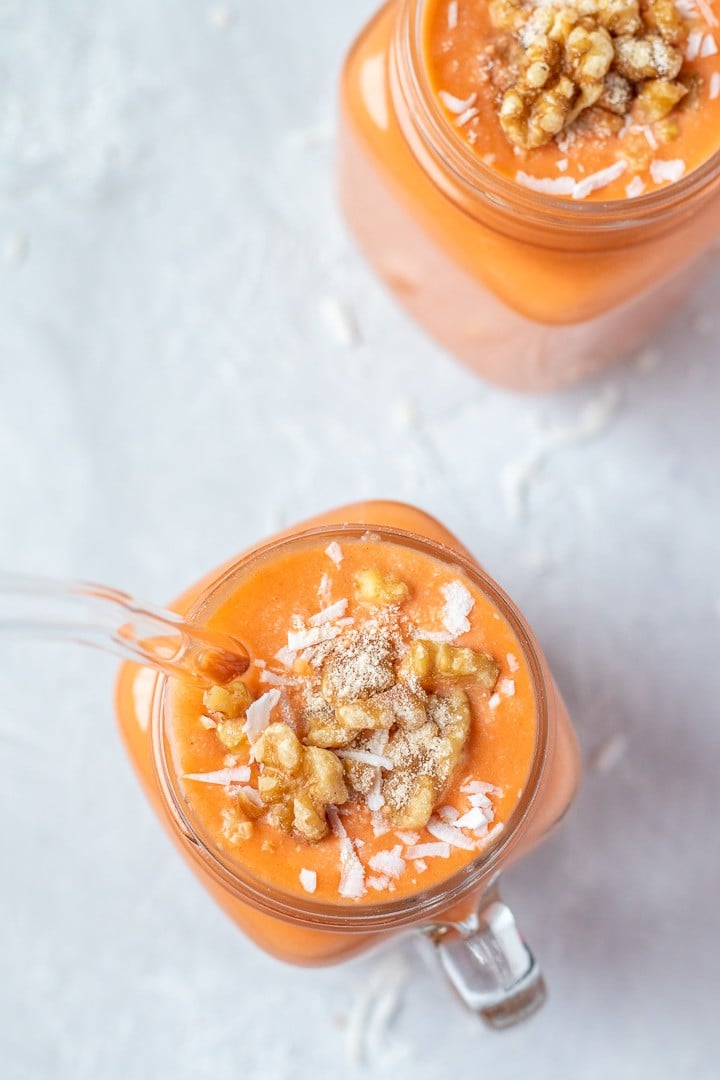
(536, 259)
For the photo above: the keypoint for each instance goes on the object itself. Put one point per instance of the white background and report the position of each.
(175, 382)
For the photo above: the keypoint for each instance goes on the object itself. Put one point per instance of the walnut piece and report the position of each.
(657, 98)
(429, 660)
(374, 587)
(424, 760)
(584, 54)
(298, 782)
(227, 705)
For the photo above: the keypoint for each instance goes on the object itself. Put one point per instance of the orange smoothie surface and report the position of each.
(382, 737)
(624, 134)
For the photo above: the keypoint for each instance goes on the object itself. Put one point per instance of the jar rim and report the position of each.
(359, 917)
(475, 185)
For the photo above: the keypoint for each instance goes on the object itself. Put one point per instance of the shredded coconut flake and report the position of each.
(547, 185)
(599, 180)
(709, 46)
(448, 813)
(379, 883)
(273, 679)
(324, 590)
(715, 85)
(420, 865)
(334, 552)
(336, 826)
(479, 787)
(352, 872)
(389, 863)
(466, 117)
(506, 688)
(408, 838)
(458, 605)
(305, 639)
(258, 714)
(562, 165)
(449, 835)
(474, 819)
(512, 662)
(694, 43)
(208, 723)
(286, 656)
(494, 701)
(375, 799)
(429, 851)
(329, 614)
(308, 880)
(669, 171)
(223, 777)
(454, 104)
(367, 758)
(707, 12)
(452, 15)
(379, 824)
(634, 188)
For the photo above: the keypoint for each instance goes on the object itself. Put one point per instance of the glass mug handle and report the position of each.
(489, 965)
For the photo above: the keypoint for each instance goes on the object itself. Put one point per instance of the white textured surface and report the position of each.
(191, 353)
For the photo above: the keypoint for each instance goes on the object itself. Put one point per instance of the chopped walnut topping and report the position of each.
(373, 587)
(583, 54)
(227, 705)
(657, 98)
(298, 781)
(429, 660)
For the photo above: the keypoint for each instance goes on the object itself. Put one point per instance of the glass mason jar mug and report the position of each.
(472, 931)
(530, 290)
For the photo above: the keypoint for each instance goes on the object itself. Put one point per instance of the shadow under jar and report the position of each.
(533, 291)
(460, 910)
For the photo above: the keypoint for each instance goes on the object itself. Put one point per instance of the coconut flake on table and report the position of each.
(669, 171)
(715, 85)
(208, 723)
(258, 714)
(222, 777)
(547, 185)
(635, 188)
(329, 614)
(598, 180)
(448, 834)
(334, 552)
(389, 863)
(340, 321)
(452, 15)
(448, 813)
(429, 851)
(352, 872)
(306, 639)
(308, 880)
(454, 104)
(366, 757)
(506, 688)
(709, 46)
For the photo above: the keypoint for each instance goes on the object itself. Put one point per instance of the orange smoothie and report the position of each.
(397, 739)
(535, 261)
(637, 128)
(419, 770)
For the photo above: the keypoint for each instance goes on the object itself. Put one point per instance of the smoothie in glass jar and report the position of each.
(538, 183)
(396, 741)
